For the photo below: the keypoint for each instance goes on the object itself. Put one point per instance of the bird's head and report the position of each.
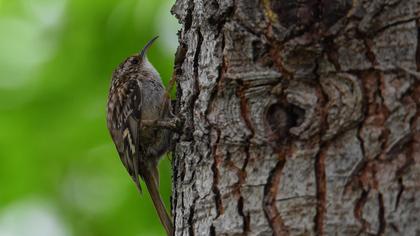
(136, 64)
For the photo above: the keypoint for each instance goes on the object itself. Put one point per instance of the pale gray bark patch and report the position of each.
(299, 118)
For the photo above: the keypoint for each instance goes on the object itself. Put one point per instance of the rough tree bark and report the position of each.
(300, 117)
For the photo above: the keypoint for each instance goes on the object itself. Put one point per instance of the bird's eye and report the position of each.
(134, 61)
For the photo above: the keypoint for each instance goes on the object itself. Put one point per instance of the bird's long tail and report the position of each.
(151, 179)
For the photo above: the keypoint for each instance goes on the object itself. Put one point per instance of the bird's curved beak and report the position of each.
(143, 52)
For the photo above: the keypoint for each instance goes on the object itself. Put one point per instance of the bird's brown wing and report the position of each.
(130, 115)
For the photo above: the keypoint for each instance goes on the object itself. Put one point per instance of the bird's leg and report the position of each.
(171, 123)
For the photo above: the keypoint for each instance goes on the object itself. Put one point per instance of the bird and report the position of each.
(138, 113)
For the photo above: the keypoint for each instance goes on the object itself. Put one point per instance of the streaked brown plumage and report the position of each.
(136, 99)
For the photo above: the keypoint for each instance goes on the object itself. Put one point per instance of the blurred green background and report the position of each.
(59, 171)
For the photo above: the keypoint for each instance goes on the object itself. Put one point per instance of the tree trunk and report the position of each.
(300, 118)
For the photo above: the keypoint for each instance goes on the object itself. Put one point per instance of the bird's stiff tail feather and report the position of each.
(151, 179)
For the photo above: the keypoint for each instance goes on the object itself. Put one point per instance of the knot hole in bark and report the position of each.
(280, 118)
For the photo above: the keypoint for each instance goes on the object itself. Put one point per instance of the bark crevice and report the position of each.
(271, 192)
(381, 215)
(321, 188)
(358, 211)
(216, 177)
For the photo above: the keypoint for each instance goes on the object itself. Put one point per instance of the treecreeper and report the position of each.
(141, 123)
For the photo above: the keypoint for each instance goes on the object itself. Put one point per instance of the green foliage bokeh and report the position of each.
(56, 156)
